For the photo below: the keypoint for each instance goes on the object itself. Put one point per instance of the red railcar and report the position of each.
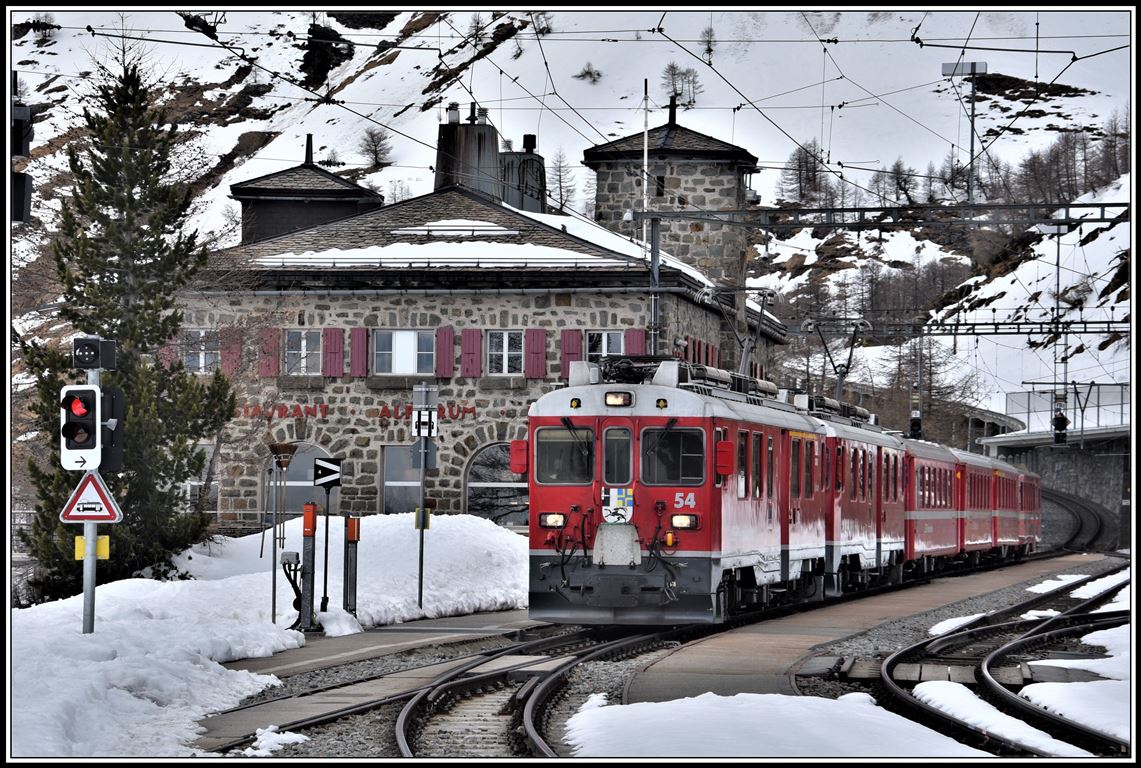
(663, 492)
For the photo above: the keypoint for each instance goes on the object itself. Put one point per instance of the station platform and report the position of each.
(763, 657)
(320, 651)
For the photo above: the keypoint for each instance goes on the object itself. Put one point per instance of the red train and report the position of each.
(663, 493)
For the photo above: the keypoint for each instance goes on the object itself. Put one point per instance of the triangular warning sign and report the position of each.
(91, 502)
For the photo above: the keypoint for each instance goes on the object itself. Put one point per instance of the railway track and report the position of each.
(976, 652)
(506, 703)
(1093, 529)
(506, 712)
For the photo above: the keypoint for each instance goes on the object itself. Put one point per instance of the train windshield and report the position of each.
(673, 456)
(564, 456)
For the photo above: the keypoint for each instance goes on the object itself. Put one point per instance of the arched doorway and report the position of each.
(493, 490)
(298, 486)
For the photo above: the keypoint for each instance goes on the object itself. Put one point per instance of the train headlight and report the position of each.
(661, 403)
(575, 403)
(671, 539)
(684, 521)
(552, 520)
(621, 399)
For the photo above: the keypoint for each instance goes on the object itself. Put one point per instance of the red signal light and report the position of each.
(77, 406)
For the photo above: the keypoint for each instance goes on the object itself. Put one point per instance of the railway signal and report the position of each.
(80, 438)
(1061, 421)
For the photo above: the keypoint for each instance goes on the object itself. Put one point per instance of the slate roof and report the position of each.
(668, 139)
(300, 179)
(447, 237)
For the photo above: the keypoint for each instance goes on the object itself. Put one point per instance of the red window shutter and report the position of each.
(699, 352)
(471, 352)
(635, 341)
(716, 356)
(269, 356)
(445, 352)
(333, 353)
(570, 348)
(231, 339)
(358, 352)
(167, 355)
(689, 358)
(535, 353)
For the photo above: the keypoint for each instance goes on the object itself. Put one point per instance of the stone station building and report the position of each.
(326, 329)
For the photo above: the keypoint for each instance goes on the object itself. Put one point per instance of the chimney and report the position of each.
(454, 112)
(673, 108)
(471, 117)
(482, 116)
(308, 149)
(528, 142)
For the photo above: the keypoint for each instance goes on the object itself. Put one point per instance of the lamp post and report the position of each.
(961, 69)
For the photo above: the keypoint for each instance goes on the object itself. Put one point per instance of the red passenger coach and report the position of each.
(663, 492)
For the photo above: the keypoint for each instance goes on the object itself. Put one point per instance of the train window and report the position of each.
(863, 473)
(769, 473)
(795, 469)
(616, 443)
(895, 478)
(673, 457)
(839, 468)
(809, 462)
(825, 468)
(742, 464)
(564, 456)
(757, 462)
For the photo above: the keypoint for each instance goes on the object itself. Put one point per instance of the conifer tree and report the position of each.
(121, 254)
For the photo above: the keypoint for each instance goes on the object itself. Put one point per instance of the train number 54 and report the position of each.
(682, 499)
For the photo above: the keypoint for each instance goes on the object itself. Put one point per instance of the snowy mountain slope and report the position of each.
(1091, 264)
(828, 89)
(856, 82)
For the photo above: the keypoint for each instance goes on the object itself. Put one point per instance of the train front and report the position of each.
(621, 505)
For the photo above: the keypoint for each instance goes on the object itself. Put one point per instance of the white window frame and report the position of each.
(195, 485)
(202, 351)
(499, 363)
(605, 343)
(405, 356)
(306, 352)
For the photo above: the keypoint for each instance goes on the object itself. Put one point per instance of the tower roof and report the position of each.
(667, 139)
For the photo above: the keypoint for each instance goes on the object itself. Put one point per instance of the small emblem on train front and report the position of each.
(617, 505)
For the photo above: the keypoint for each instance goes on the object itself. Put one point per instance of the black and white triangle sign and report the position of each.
(327, 473)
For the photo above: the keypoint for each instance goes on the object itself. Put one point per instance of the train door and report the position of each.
(616, 483)
(879, 510)
(910, 503)
(783, 499)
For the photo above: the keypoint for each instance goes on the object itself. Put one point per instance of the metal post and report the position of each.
(90, 545)
(420, 511)
(352, 533)
(325, 588)
(655, 276)
(308, 561)
(273, 536)
(971, 158)
(645, 153)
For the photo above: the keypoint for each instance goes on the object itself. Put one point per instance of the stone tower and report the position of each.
(688, 172)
